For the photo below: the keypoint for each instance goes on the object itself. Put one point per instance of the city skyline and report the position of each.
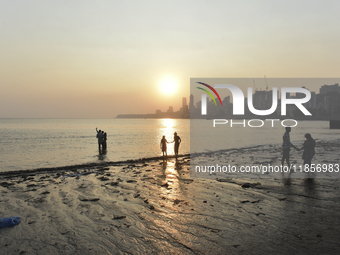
(324, 104)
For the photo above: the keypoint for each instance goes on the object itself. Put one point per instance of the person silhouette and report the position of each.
(308, 150)
(177, 141)
(100, 139)
(286, 146)
(163, 145)
(104, 141)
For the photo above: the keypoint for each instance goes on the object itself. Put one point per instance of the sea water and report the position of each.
(27, 144)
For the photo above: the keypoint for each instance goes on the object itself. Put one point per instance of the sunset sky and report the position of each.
(96, 59)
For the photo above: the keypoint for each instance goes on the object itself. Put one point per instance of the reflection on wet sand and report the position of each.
(171, 186)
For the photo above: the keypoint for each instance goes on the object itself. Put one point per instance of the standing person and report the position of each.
(286, 147)
(164, 146)
(104, 140)
(177, 141)
(308, 150)
(100, 139)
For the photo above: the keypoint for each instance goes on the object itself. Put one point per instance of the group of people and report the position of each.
(102, 137)
(177, 140)
(308, 148)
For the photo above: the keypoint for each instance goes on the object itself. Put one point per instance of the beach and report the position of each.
(153, 206)
(161, 127)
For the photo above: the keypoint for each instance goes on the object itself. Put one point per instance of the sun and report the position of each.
(168, 86)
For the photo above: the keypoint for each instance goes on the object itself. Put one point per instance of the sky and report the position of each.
(97, 59)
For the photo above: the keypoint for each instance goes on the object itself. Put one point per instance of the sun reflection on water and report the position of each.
(171, 188)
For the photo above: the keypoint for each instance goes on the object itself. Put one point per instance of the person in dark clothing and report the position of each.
(308, 150)
(104, 141)
(286, 147)
(100, 139)
(177, 141)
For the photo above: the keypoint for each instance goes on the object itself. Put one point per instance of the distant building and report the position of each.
(185, 108)
(312, 101)
(227, 106)
(263, 100)
(260, 99)
(329, 100)
(329, 88)
(184, 101)
(191, 103)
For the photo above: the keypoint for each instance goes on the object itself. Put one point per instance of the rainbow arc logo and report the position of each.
(209, 93)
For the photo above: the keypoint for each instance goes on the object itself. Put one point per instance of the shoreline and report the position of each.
(121, 162)
(87, 165)
(90, 165)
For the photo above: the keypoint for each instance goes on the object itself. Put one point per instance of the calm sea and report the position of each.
(43, 143)
(27, 144)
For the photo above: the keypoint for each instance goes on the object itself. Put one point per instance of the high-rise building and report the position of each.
(329, 88)
(184, 101)
(312, 101)
(191, 103)
(185, 107)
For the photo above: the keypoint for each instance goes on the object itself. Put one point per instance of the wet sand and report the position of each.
(154, 207)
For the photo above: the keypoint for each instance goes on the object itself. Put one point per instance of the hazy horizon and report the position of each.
(85, 59)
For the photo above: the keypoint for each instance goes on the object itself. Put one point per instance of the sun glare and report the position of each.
(168, 86)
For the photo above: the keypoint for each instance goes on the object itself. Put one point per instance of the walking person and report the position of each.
(286, 147)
